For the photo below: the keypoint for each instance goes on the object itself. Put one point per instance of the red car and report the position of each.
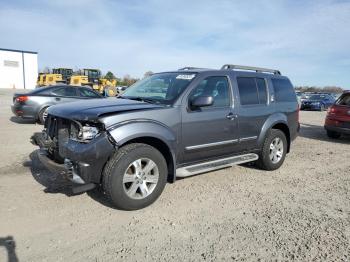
(338, 117)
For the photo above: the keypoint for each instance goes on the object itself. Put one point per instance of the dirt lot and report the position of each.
(300, 212)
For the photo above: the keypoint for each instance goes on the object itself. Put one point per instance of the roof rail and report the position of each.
(251, 68)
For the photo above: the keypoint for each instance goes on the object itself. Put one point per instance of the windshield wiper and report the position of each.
(142, 99)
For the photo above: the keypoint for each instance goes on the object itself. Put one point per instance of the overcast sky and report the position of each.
(307, 40)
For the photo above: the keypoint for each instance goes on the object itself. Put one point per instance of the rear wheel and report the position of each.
(42, 115)
(135, 176)
(333, 134)
(274, 150)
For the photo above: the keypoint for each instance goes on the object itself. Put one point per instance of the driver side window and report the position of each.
(216, 87)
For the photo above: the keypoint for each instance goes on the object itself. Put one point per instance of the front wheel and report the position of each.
(274, 150)
(135, 176)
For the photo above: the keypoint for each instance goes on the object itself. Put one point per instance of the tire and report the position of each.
(42, 116)
(333, 134)
(119, 178)
(265, 162)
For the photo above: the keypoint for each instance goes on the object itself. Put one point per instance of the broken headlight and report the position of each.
(88, 132)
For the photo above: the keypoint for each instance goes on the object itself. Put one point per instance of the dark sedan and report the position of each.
(317, 102)
(34, 105)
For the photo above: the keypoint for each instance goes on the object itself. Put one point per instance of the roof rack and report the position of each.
(251, 68)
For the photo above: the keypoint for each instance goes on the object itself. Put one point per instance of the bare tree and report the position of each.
(148, 73)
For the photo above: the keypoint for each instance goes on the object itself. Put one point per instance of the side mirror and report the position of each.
(202, 101)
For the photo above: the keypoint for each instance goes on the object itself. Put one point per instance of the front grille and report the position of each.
(51, 126)
(58, 131)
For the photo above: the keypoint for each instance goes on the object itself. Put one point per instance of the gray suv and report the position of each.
(169, 125)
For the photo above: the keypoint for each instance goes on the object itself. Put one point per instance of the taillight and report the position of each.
(331, 110)
(22, 99)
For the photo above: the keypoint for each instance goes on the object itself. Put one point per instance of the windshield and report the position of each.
(162, 88)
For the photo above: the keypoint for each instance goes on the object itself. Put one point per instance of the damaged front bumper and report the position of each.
(83, 162)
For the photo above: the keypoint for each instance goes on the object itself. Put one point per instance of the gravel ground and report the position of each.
(299, 212)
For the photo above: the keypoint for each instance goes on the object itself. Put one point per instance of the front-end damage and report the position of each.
(77, 150)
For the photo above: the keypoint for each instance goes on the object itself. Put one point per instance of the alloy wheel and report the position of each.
(276, 150)
(140, 178)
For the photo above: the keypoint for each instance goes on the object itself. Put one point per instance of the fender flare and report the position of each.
(277, 118)
(132, 129)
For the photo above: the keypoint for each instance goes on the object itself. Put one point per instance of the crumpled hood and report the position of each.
(92, 109)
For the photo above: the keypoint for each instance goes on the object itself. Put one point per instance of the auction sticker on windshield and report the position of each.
(186, 77)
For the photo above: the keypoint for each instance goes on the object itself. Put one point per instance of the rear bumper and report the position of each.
(23, 111)
(83, 162)
(341, 130)
(337, 124)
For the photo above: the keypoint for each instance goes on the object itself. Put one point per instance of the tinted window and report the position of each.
(261, 84)
(344, 100)
(64, 91)
(247, 91)
(42, 91)
(87, 93)
(215, 86)
(284, 91)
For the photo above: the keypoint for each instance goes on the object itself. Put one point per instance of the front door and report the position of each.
(211, 131)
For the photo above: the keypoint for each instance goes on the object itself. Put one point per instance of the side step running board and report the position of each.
(215, 164)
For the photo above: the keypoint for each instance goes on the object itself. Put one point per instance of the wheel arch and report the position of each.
(276, 121)
(150, 133)
(41, 108)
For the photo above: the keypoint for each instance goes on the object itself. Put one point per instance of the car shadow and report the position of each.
(53, 183)
(10, 246)
(99, 195)
(319, 133)
(19, 120)
(57, 184)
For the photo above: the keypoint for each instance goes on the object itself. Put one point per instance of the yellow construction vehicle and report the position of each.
(85, 77)
(58, 75)
(92, 78)
(52, 79)
(108, 86)
(40, 81)
(79, 80)
(65, 72)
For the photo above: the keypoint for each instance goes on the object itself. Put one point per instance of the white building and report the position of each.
(18, 69)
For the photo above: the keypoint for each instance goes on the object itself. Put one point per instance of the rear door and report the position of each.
(64, 94)
(211, 131)
(86, 93)
(254, 108)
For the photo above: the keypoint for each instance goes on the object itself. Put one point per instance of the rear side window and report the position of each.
(42, 91)
(64, 91)
(284, 91)
(344, 100)
(252, 91)
(261, 84)
(88, 93)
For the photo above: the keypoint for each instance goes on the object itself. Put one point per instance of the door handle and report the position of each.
(231, 116)
(57, 99)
